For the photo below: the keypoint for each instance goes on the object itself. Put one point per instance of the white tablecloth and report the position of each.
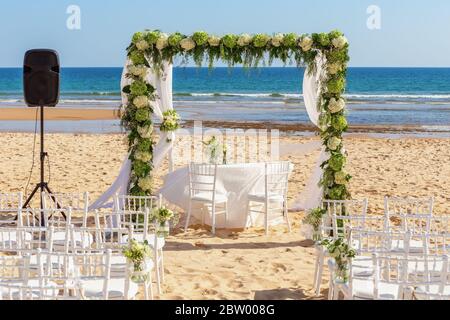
(234, 180)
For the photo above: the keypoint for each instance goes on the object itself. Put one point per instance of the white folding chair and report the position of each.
(274, 198)
(146, 231)
(10, 206)
(354, 212)
(77, 202)
(93, 273)
(203, 190)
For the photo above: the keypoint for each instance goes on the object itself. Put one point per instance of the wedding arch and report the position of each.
(147, 91)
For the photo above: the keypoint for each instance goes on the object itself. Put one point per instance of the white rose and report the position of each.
(340, 178)
(187, 44)
(143, 156)
(162, 41)
(214, 41)
(336, 106)
(142, 45)
(306, 44)
(145, 132)
(138, 71)
(277, 40)
(244, 40)
(340, 42)
(334, 143)
(145, 183)
(334, 68)
(141, 102)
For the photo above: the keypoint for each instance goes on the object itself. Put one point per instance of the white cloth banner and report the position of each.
(312, 194)
(163, 102)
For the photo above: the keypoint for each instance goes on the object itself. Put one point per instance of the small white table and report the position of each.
(237, 181)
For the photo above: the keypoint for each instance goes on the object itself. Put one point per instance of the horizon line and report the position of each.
(261, 67)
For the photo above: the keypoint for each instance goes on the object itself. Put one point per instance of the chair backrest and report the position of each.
(10, 206)
(77, 202)
(25, 240)
(412, 271)
(440, 224)
(408, 214)
(433, 243)
(50, 291)
(130, 211)
(367, 242)
(104, 238)
(342, 214)
(60, 219)
(277, 178)
(202, 180)
(95, 264)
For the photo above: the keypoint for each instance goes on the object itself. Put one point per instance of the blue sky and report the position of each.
(413, 32)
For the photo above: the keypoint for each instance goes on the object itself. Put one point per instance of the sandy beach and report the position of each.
(240, 264)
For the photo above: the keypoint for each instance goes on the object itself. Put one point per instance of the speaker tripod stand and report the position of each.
(42, 186)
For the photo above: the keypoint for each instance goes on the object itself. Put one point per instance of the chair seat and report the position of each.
(150, 239)
(15, 293)
(207, 197)
(364, 289)
(433, 289)
(93, 288)
(415, 246)
(59, 238)
(362, 267)
(262, 197)
(10, 238)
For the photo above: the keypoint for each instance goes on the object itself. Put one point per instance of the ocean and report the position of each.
(383, 97)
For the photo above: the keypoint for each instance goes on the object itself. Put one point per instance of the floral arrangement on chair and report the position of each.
(312, 222)
(162, 216)
(138, 255)
(342, 254)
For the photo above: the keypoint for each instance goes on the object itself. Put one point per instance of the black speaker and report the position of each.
(41, 78)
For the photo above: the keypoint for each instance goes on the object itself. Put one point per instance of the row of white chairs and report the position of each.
(390, 266)
(134, 213)
(414, 215)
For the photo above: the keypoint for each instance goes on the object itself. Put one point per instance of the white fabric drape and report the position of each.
(312, 194)
(163, 84)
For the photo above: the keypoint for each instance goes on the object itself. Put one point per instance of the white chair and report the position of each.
(203, 190)
(10, 206)
(274, 198)
(146, 230)
(393, 278)
(115, 239)
(77, 202)
(354, 212)
(93, 268)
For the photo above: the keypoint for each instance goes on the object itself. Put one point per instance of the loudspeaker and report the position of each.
(41, 78)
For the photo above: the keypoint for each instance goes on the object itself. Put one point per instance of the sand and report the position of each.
(241, 264)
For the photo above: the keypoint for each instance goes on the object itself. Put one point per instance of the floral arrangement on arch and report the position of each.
(152, 48)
